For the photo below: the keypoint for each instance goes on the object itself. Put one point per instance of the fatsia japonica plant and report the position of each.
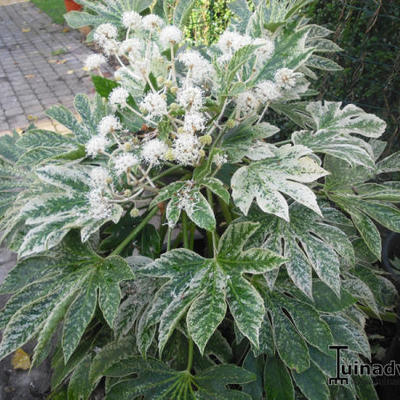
(176, 243)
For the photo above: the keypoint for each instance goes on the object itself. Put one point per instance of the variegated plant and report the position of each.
(176, 241)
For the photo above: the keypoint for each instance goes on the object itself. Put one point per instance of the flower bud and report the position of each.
(134, 212)
(174, 89)
(230, 123)
(160, 80)
(127, 192)
(206, 140)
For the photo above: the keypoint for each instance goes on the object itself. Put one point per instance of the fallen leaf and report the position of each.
(32, 117)
(70, 72)
(61, 61)
(21, 360)
(26, 30)
(30, 76)
(66, 29)
(52, 61)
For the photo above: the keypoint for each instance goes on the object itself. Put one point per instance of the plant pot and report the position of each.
(70, 5)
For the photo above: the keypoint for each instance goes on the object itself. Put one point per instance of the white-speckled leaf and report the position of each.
(287, 172)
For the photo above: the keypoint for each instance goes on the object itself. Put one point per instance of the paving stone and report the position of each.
(23, 54)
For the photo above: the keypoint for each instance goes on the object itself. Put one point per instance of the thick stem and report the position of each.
(185, 231)
(190, 355)
(135, 232)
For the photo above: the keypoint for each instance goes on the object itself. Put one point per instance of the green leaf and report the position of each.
(278, 383)
(67, 289)
(182, 12)
(186, 196)
(200, 283)
(79, 387)
(347, 333)
(308, 242)
(332, 129)
(290, 52)
(291, 347)
(217, 187)
(312, 383)
(286, 172)
(51, 216)
(155, 380)
(207, 311)
(103, 85)
(256, 366)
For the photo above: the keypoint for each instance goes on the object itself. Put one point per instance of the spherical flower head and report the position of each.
(131, 20)
(100, 206)
(94, 61)
(133, 47)
(123, 162)
(110, 47)
(152, 23)
(247, 102)
(118, 97)
(199, 67)
(186, 149)
(267, 91)
(220, 159)
(99, 177)
(286, 78)
(266, 49)
(193, 122)
(109, 124)
(104, 32)
(170, 35)
(153, 151)
(190, 98)
(229, 41)
(96, 145)
(154, 104)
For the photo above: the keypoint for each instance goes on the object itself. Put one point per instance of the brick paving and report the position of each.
(40, 65)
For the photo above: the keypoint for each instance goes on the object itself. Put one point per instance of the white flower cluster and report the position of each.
(168, 93)
(94, 61)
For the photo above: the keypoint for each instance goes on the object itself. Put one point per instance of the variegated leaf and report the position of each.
(332, 129)
(287, 172)
(65, 287)
(201, 283)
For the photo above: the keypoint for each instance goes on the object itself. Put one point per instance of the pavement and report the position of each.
(40, 65)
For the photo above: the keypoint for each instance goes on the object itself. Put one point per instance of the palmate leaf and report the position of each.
(290, 52)
(66, 287)
(332, 128)
(363, 209)
(103, 11)
(155, 381)
(39, 145)
(186, 196)
(285, 172)
(295, 323)
(62, 205)
(242, 140)
(91, 113)
(198, 284)
(309, 243)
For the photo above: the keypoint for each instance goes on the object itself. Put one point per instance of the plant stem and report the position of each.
(167, 172)
(135, 232)
(387, 316)
(190, 355)
(225, 211)
(169, 239)
(185, 231)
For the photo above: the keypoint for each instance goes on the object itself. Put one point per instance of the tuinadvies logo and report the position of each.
(355, 368)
